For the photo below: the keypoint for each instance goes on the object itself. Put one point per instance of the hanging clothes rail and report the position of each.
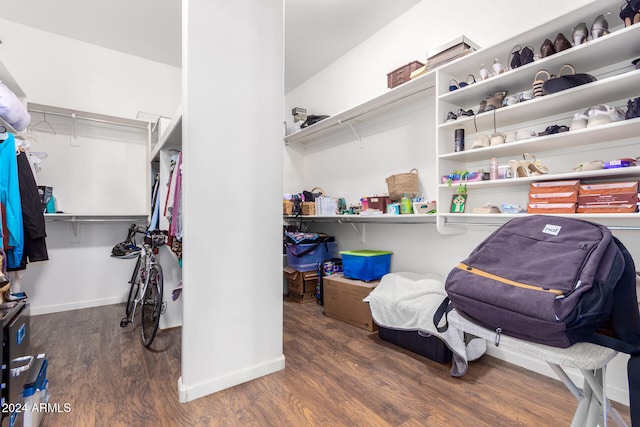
(76, 115)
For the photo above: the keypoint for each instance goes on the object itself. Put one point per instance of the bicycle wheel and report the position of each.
(135, 286)
(151, 306)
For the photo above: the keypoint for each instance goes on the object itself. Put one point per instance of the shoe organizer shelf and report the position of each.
(608, 58)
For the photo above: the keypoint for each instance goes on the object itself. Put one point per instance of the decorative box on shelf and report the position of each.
(454, 49)
(402, 74)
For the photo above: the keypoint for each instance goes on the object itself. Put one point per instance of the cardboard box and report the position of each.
(563, 197)
(301, 281)
(607, 199)
(303, 298)
(551, 208)
(343, 297)
(617, 208)
(454, 49)
(554, 186)
(609, 188)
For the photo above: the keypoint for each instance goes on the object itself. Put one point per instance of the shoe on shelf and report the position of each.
(580, 34)
(497, 138)
(517, 169)
(630, 12)
(603, 114)
(451, 116)
(561, 43)
(481, 140)
(592, 165)
(525, 134)
(547, 49)
(600, 27)
(495, 101)
(535, 166)
(465, 113)
(579, 121)
(550, 130)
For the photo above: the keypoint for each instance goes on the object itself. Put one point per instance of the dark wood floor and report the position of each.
(336, 375)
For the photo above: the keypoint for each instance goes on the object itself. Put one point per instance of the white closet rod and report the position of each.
(91, 119)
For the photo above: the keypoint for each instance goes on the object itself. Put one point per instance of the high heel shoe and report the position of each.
(495, 101)
(534, 167)
(580, 34)
(498, 68)
(517, 169)
(547, 49)
(561, 43)
(600, 27)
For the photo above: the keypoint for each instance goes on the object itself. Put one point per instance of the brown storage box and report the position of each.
(564, 197)
(554, 186)
(617, 208)
(402, 74)
(302, 298)
(342, 299)
(308, 208)
(609, 188)
(551, 208)
(450, 51)
(301, 281)
(607, 199)
(379, 202)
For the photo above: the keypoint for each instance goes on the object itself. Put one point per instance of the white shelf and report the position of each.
(171, 138)
(377, 219)
(602, 174)
(418, 88)
(593, 55)
(573, 138)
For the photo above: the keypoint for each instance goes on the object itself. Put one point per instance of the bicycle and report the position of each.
(146, 286)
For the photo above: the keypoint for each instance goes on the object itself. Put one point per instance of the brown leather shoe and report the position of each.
(561, 43)
(547, 49)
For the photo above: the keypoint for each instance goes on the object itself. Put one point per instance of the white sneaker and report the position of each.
(579, 121)
(603, 114)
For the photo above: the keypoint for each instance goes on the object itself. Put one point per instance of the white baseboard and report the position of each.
(187, 392)
(54, 308)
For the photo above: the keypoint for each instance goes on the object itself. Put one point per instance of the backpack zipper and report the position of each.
(488, 275)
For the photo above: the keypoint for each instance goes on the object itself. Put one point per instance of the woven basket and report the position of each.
(403, 183)
(287, 207)
(309, 208)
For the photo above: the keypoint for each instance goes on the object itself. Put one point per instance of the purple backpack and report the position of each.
(541, 278)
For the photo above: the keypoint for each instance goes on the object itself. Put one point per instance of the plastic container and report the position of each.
(365, 264)
(322, 252)
(35, 392)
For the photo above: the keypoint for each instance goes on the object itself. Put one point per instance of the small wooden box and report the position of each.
(402, 74)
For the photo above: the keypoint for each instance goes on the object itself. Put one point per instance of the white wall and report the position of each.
(90, 174)
(357, 168)
(232, 175)
(59, 71)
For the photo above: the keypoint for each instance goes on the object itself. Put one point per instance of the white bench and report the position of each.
(590, 359)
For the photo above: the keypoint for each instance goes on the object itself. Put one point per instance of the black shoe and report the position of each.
(463, 113)
(451, 116)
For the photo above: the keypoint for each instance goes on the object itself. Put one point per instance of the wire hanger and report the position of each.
(44, 122)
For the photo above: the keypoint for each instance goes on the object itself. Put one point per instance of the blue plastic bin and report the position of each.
(323, 252)
(365, 264)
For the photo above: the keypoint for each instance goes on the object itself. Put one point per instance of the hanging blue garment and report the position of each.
(10, 200)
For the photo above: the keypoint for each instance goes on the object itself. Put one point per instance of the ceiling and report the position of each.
(316, 32)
